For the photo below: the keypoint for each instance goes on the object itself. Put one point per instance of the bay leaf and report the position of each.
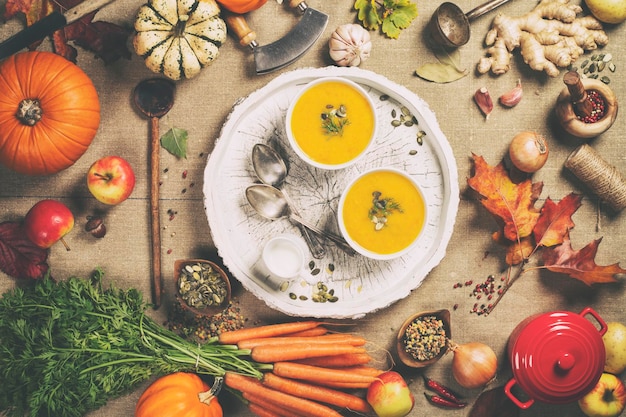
(448, 57)
(175, 142)
(439, 72)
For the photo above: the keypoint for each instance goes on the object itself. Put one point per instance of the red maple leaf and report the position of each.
(19, 257)
(511, 203)
(556, 220)
(107, 40)
(580, 264)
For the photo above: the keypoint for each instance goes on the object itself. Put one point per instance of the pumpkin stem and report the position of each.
(207, 396)
(29, 111)
(180, 25)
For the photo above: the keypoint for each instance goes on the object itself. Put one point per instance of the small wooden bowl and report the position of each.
(404, 356)
(569, 121)
(210, 310)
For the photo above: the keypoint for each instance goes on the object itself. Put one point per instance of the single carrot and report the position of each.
(316, 331)
(343, 385)
(319, 375)
(269, 406)
(261, 411)
(235, 336)
(308, 408)
(345, 338)
(275, 353)
(365, 370)
(338, 361)
(316, 393)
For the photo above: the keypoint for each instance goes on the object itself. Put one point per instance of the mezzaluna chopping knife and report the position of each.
(47, 25)
(290, 47)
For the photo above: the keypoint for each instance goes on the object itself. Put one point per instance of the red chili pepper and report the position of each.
(442, 390)
(443, 402)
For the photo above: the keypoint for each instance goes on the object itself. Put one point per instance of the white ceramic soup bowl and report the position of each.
(382, 213)
(331, 123)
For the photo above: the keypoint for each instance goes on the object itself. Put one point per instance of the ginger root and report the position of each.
(549, 37)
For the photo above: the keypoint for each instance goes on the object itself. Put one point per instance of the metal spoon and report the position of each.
(270, 203)
(154, 97)
(271, 170)
(450, 27)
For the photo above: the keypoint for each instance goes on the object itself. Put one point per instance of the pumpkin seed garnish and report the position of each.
(334, 120)
(381, 208)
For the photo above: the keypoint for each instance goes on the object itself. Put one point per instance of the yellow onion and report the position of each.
(474, 364)
(528, 151)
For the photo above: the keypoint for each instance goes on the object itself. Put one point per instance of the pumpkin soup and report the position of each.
(383, 212)
(332, 122)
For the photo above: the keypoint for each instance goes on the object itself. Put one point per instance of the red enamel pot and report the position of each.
(556, 357)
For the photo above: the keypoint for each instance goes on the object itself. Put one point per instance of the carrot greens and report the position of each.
(67, 347)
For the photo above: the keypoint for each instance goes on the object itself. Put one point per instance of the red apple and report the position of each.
(47, 222)
(606, 399)
(111, 179)
(389, 395)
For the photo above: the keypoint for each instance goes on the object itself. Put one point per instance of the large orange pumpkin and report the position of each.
(242, 6)
(49, 113)
(179, 394)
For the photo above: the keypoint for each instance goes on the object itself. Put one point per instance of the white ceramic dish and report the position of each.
(359, 247)
(361, 285)
(315, 117)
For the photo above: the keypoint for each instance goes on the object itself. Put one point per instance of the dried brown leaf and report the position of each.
(580, 264)
(494, 403)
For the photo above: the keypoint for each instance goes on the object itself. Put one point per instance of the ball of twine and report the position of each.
(597, 174)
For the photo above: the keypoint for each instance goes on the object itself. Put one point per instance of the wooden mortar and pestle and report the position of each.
(587, 107)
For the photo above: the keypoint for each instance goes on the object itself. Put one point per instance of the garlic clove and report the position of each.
(513, 96)
(484, 101)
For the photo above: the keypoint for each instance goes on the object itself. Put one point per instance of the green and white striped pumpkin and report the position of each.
(179, 37)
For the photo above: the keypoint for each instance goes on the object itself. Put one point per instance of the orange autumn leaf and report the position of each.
(555, 220)
(516, 252)
(511, 203)
(580, 264)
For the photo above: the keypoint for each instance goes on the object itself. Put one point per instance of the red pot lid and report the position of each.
(558, 357)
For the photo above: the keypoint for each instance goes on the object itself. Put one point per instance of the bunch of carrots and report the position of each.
(313, 371)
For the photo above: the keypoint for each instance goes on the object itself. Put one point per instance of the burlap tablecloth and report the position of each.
(202, 106)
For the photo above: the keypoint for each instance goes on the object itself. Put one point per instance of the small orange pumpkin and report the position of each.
(49, 113)
(242, 6)
(179, 394)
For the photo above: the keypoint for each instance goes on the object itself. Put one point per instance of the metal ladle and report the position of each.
(450, 27)
(270, 203)
(154, 97)
(271, 170)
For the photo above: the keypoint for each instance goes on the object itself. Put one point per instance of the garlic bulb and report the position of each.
(350, 44)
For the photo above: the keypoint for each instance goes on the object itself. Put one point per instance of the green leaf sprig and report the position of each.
(67, 347)
(392, 16)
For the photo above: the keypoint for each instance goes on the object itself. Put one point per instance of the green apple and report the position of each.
(389, 395)
(615, 346)
(606, 399)
(608, 11)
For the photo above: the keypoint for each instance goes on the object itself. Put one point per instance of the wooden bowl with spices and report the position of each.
(202, 287)
(423, 338)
